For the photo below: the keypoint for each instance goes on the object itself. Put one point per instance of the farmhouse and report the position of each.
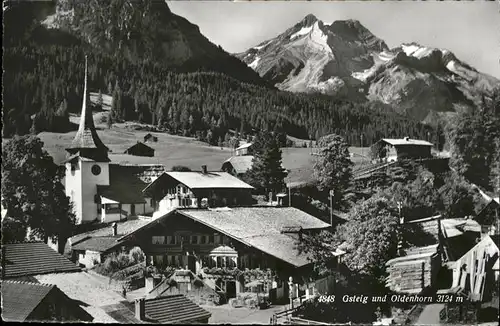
(237, 165)
(140, 149)
(91, 248)
(202, 240)
(29, 302)
(197, 189)
(389, 150)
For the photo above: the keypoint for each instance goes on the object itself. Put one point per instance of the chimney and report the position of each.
(140, 308)
(115, 229)
(204, 169)
(407, 138)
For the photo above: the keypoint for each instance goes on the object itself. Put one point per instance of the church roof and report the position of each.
(86, 136)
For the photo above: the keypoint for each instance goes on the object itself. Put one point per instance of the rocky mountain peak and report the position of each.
(308, 20)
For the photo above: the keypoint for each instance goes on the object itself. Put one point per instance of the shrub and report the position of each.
(136, 255)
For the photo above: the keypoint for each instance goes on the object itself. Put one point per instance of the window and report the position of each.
(159, 260)
(203, 239)
(194, 239)
(158, 239)
(217, 239)
(96, 169)
(170, 239)
(211, 239)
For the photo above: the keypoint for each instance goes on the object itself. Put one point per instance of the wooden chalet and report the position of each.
(245, 149)
(201, 240)
(388, 150)
(150, 137)
(140, 149)
(196, 189)
(237, 165)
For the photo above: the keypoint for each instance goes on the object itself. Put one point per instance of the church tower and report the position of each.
(87, 164)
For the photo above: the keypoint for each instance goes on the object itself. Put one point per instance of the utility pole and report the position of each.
(400, 233)
(362, 147)
(331, 208)
(289, 196)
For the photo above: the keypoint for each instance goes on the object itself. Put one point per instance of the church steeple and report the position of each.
(86, 142)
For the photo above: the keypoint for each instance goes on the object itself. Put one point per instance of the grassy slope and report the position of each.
(172, 150)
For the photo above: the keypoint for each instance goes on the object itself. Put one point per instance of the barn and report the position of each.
(140, 149)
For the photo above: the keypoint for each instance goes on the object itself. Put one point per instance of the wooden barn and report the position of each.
(475, 272)
(150, 137)
(389, 150)
(140, 149)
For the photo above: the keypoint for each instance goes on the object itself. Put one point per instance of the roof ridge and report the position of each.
(28, 282)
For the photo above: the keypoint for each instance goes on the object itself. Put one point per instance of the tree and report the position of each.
(33, 193)
(458, 198)
(472, 138)
(267, 172)
(100, 101)
(332, 169)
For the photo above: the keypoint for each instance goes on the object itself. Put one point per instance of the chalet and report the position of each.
(91, 248)
(197, 189)
(171, 309)
(389, 150)
(140, 149)
(237, 165)
(488, 216)
(243, 237)
(245, 149)
(150, 137)
(30, 302)
(26, 259)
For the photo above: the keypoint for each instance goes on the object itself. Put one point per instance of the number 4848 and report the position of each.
(327, 298)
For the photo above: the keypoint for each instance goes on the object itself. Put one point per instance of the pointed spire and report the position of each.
(86, 141)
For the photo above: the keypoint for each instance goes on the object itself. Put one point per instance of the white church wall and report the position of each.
(89, 188)
(73, 186)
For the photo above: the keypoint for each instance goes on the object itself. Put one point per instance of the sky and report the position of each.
(470, 29)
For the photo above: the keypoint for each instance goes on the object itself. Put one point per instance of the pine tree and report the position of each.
(267, 173)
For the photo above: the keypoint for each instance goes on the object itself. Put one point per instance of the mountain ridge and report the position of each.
(345, 59)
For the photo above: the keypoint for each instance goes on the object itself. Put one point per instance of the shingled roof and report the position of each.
(33, 258)
(86, 137)
(19, 299)
(126, 182)
(99, 244)
(258, 227)
(240, 164)
(174, 309)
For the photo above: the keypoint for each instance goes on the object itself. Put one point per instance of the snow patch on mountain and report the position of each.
(262, 46)
(254, 63)
(302, 31)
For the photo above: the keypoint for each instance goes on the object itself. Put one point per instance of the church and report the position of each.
(102, 191)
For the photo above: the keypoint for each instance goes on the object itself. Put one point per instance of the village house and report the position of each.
(245, 149)
(202, 240)
(140, 149)
(92, 247)
(390, 150)
(31, 302)
(237, 165)
(196, 189)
